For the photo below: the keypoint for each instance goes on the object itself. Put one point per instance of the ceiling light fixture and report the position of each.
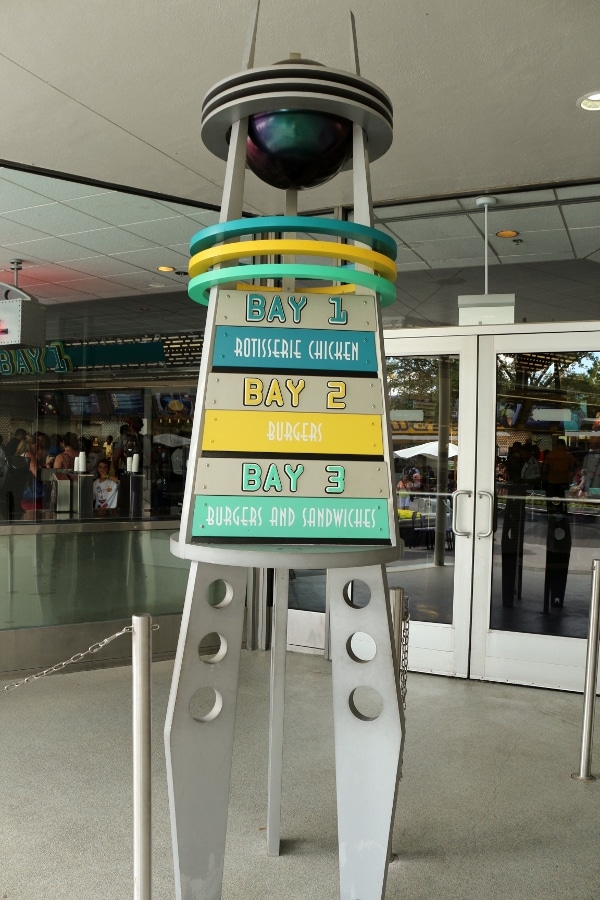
(507, 233)
(165, 268)
(590, 101)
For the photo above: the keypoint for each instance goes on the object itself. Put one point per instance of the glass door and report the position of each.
(433, 402)
(537, 524)
(432, 396)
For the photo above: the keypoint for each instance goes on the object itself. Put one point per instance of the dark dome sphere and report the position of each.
(297, 148)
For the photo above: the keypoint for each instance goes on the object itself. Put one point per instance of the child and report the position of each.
(106, 491)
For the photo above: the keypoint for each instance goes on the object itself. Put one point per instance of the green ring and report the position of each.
(214, 234)
(199, 287)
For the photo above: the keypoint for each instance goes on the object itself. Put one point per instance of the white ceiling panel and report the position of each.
(51, 249)
(582, 215)
(153, 257)
(55, 218)
(11, 233)
(585, 240)
(544, 218)
(51, 188)
(433, 228)
(14, 197)
(101, 266)
(112, 240)
(167, 231)
(535, 257)
(386, 213)
(113, 208)
(577, 190)
(447, 252)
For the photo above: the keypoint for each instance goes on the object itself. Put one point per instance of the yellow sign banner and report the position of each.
(254, 431)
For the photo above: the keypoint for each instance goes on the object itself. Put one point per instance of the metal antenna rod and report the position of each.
(16, 266)
(485, 202)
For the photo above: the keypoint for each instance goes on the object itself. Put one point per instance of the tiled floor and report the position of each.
(486, 808)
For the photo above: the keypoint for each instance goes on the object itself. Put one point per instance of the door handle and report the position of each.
(490, 531)
(455, 497)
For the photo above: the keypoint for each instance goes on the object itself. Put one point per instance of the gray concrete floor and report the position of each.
(486, 809)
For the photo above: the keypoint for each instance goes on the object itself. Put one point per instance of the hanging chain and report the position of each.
(74, 659)
(403, 674)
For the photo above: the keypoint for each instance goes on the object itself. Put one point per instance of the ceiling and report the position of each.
(484, 100)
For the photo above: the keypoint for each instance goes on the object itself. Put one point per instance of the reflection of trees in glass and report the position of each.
(413, 384)
(575, 375)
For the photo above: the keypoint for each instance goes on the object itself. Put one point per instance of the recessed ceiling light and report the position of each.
(590, 101)
(165, 268)
(507, 233)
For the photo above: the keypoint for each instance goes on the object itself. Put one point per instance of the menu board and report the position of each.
(292, 442)
(127, 403)
(82, 405)
(174, 404)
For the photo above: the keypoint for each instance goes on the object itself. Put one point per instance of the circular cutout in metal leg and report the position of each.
(366, 703)
(206, 704)
(212, 648)
(357, 594)
(361, 647)
(219, 594)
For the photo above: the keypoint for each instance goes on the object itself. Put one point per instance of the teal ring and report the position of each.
(213, 234)
(199, 287)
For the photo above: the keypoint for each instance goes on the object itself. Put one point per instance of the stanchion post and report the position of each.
(141, 652)
(591, 675)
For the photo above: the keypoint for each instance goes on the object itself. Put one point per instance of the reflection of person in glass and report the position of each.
(559, 465)
(506, 414)
(105, 491)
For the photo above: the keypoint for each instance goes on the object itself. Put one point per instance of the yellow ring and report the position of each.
(379, 263)
(329, 289)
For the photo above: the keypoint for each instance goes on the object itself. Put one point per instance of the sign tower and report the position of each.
(290, 464)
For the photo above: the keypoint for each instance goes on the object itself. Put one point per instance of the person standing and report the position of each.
(14, 441)
(105, 490)
(558, 466)
(404, 488)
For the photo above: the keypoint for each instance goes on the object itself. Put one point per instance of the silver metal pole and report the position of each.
(591, 675)
(141, 652)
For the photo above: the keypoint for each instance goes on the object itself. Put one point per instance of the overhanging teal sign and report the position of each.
(35, 360)
(64, 358)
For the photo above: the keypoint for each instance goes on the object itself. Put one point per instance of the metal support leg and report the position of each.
(200, 725)
(278, 659)
(368, 724)
(141, 653)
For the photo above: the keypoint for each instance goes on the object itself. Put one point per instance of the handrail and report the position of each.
(96, 526)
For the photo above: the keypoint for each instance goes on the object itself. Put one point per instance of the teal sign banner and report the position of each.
(287, 348)
(293, 518)
(36, 360)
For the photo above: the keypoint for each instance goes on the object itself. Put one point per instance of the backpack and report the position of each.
(531, 470)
